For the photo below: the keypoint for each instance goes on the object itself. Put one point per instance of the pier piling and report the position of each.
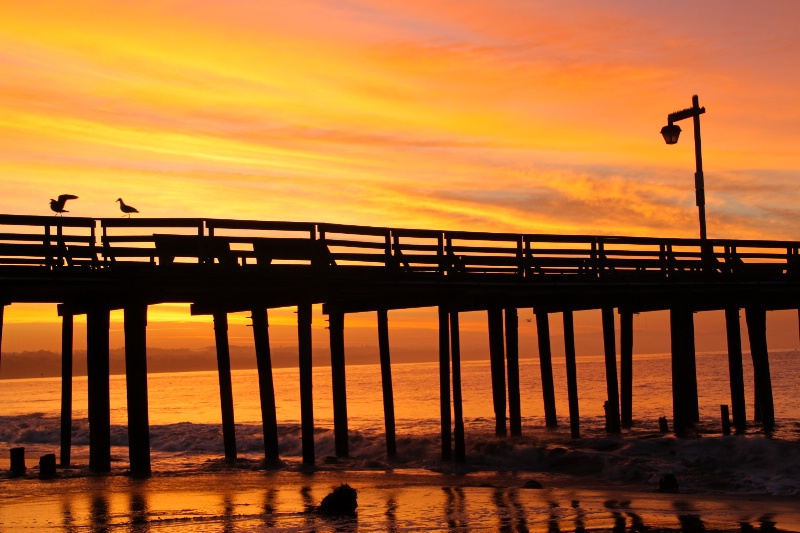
(498, 369)
(512, 371)
(135, 317)
(225, 385)
(572, 375)
(458, 413)
(97, 365)
(386, 382)
(757, 329)
(444, 383)
(735, 370)
(626, 368)
(610, 349)
(339, 383)
(67, 337)
(266, 386)
(546, 366)
(306, 382)
(681, 330)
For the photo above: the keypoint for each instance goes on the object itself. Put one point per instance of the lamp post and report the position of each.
(671, 132)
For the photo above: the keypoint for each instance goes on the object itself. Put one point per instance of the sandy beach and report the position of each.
(237, 498)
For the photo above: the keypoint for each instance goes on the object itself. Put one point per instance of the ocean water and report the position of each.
(187, 443)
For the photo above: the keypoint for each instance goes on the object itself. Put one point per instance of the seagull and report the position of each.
(125, 208)
(58, 205)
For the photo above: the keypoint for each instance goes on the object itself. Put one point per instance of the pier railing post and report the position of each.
(444, 383)
(386, 382)
(97, 364)
(572, 375)
(266, 387)
(67, 337)
(225, 385)
(512, 371)
(612, 386)
(136, 383)
(546, 366)
(498, 369)
(339, 383)
(626, 368)
(458, 413)
(735, 369)
(306, 382)
(757, 329)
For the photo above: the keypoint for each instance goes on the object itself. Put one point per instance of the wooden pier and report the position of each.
(93, 266)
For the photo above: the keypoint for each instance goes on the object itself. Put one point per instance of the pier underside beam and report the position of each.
(512, 371)
(757, 330)
(735, 370)
(225, 386)
(612, 386)
(626, 368)
(444, 383)
(458, 412)
(386, 382)
(67, 337)
(97, 365)
(572, 375)
(136, 383)
(306, 382)
(546, 366)
(339, 384)
(266, 386)
(498, 369)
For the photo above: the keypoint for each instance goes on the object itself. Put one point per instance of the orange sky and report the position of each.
(532, 116)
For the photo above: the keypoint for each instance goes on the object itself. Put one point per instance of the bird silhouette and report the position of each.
(58, 205)
(125, 208)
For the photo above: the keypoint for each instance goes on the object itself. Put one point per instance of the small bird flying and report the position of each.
(125, 208)
(58, 205)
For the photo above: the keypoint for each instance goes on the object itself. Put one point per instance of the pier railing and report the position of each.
(55, 243)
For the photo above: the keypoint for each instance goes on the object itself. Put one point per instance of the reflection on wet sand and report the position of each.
(138, 513)
(391, 515)
(99, 514)
(455, 508)
(270, 506)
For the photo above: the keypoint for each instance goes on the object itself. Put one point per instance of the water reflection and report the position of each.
(99, 514)
(455, 508)
(138, 513)
(391, 515)
(512, 516)
(270, 499)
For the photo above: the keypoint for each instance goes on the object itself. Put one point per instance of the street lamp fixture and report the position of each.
(671, 132)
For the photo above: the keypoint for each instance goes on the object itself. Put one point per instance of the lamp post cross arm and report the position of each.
(685, 113)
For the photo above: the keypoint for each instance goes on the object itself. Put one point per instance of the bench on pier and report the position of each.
(48, 254)
(315, 252)
(203, 248)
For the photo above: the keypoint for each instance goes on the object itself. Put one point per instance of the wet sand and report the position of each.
(224, 498)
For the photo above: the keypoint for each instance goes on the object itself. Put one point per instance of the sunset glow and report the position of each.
(492, 116)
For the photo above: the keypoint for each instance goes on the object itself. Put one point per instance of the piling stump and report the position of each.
(726, 420)
(47, 466)
(18, 467)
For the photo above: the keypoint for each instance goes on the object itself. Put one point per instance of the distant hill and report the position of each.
(16, 365)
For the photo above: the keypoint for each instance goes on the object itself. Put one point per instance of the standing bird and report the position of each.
(58, 205)
(125, 208)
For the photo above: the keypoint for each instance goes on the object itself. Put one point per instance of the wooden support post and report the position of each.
(512, 371)
(306, 382)
(444, 383)
(458, 413)
(612, 386)
(18, 467)
(546, 365)
(386, 382)
(136, 381)
(572, 375)
(691, 370)
(67, 335)
(2, 313)
(626, 368)
(339, 383)
(757, 329)
(498, 369)
(735, 369)
(225, 386)
(97, 325)
(680, 393)
(726, 419)
(266, 386)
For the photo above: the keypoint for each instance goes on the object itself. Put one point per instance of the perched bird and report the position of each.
(58, 205)
(125, 208)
